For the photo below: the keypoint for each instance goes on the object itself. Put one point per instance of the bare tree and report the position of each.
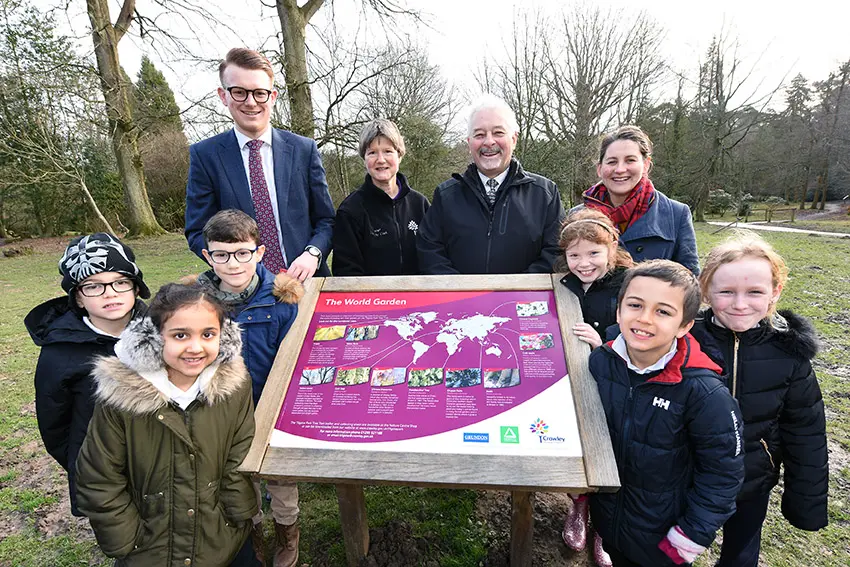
(116, 93)
(727, 107)
(293, 24)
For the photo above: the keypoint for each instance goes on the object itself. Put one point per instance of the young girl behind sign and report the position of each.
(596, 266)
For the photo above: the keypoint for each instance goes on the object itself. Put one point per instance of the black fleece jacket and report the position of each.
(374, 234)
(769, 371)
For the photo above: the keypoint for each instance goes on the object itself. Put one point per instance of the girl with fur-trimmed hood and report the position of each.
(766, 355)
(157, 474)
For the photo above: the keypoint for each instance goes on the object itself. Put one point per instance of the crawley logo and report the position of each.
(541, 428)
(412, 226)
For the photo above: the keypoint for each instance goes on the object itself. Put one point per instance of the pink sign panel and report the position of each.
(397, 366)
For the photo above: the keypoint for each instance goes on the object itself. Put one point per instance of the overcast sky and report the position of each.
(778, 37)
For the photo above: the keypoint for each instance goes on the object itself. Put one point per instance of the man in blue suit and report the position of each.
(273, 175)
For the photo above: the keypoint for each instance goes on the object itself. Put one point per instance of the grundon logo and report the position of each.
(541, 429)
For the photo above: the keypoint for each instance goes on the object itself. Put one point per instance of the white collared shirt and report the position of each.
(91, 326)
(499, 178)
(159, 378)
(619, 346)
(267, 157)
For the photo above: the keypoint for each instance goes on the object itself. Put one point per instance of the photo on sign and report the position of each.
(313, 376)
(537, 341)
(462, 377)
(422, 377)
(362, 333)
(331, 333)
(352, 376)
(501, 377)
(532, 308)
(388, 376)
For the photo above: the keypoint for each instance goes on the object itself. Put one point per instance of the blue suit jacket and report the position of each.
(217, 181)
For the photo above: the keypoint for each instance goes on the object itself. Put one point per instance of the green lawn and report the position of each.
(35, 525)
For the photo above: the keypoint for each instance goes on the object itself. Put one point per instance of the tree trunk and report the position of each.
(293, 24)
(816, 193)
(823, 194)
(95, 209)
(124, 132)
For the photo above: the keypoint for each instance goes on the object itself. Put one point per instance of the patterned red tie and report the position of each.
(273, 260)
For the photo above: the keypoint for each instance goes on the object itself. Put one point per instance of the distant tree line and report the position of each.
(81, 145)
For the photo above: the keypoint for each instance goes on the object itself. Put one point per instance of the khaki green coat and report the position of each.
(160, 484)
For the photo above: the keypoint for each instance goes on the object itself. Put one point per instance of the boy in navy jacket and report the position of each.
(675, 429)
(265, 305)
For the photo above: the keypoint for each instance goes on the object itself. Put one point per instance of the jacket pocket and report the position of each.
(153, 505)
(767, 450)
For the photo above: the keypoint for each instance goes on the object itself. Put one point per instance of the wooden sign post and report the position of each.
(433, 423)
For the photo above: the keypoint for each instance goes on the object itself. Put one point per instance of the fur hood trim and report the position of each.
(286, 289)
(797, 332)
(122, 388)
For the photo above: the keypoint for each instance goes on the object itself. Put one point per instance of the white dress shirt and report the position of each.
(267, 157)
(619, 346)
(499, 179)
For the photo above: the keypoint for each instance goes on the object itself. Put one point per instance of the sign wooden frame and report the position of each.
(595, 470)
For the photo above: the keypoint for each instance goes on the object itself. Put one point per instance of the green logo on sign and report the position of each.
(509, 433)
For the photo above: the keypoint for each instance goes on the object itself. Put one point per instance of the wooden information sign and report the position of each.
(441, 381)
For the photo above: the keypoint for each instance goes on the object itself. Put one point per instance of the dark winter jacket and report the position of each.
(769, 371)
(462, 233)
(265, 319)
(375, 235)
(599, 302)
(64, 390)
(664, 232)
(677, 440)
(159, 484)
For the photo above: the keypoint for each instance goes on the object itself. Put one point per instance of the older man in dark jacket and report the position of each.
(495, 218)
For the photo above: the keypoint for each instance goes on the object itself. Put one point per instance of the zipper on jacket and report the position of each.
(628, 411)
(398, 238)
(735, 365)
(489, 231)
(767, 450)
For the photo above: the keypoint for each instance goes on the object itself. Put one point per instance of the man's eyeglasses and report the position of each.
(240, 94)
(98, 289)
(222, 257)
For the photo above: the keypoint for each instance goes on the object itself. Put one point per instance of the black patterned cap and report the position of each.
(97, 253)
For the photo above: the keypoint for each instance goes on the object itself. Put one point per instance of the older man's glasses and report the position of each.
(98, 289)
(222, 256)
(240, 94)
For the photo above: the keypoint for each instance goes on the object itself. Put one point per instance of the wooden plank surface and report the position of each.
(494, 282)
(522, 528)
(496, 472)
(600, 465)
(355, 525)
(280, 374)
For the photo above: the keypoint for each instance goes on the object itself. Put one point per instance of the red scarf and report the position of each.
(624, 216)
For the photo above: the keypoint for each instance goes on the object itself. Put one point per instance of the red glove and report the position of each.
(679, 548)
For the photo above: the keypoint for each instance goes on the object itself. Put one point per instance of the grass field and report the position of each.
(449, 528)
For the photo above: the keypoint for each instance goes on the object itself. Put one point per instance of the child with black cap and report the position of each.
(103, 283)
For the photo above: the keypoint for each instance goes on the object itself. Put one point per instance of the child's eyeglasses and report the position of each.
(222, 257)
(98, 289)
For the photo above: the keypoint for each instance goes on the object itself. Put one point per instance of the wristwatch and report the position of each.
(314, 251)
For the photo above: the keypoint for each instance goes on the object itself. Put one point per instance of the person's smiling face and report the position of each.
(491, 142)
(251, 117)
(191, 339)
(741, 293)
(621, 169)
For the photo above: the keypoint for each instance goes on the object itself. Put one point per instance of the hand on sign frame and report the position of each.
(587, 334)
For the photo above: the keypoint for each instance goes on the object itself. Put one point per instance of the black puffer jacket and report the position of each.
(64, 390)
(677, 440)
(769, 371)
(375, 235)
(599, 302)
(463, 234)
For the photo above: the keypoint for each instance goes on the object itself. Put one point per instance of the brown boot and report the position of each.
(258, 543)
(286, 555)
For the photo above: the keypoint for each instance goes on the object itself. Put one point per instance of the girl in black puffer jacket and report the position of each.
(766, 356)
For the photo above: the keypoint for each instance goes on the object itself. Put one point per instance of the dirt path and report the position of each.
(772, 228)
